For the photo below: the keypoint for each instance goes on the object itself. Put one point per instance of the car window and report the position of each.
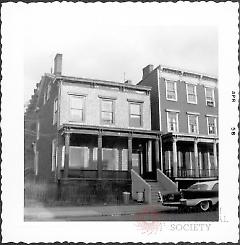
(201, 187)
(215, 187)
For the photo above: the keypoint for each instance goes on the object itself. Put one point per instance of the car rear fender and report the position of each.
(195, 202)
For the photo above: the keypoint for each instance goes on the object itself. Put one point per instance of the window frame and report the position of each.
(38, 130)
(54, 150)
(215, 125)
(83, 97)
(175, 89)
(48, 91)
(177, 121)
(213, 96)
(113, 111)
(55, 111)
(140, 103)
(197, 116)
(195, 93)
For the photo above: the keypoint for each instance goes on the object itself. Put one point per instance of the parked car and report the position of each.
(203, 195)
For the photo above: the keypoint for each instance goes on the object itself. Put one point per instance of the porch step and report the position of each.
(154, 190)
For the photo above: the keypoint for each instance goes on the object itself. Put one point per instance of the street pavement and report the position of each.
(115, 213)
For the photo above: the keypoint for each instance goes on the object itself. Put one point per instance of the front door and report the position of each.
(136, 162)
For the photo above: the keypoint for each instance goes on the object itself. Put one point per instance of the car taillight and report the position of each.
(181, 194)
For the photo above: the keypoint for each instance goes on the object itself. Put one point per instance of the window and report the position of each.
(171, 90)
(55, 111)
(110, 158)
(209, 93)
(38, 130)
(79, 158)
(48, 91)
(54, 154)
(172, 121)
(193, 124)
(44, 97)
(212, 125)
(107, 111)
(135, 117)
(77, 108)
(191, 93)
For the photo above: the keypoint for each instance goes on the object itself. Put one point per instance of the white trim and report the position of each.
(190, 80)
(209, 115)
(195, 92)
(175, 90)
(210, 84)
(177, 123)
(170, 110)
(193, 113)
(196, 122)
(55, 117)
(213, 95)
(159, 100)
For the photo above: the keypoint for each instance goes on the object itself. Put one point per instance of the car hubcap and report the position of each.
(204, 205)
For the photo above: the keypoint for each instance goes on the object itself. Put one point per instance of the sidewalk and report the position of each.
(41, 212)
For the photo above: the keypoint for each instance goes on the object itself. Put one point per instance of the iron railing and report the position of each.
(192, 173)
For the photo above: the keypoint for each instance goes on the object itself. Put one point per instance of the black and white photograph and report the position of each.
(124, 117)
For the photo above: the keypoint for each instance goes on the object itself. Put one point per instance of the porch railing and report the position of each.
(192, 173)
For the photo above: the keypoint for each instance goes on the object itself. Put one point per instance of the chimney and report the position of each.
(58, 64)
(147, 70)
(128, 82)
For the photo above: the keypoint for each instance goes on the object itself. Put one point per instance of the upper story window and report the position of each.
(191, 93)
(212, 125)
(55, 111)
(171, 90)
(172, 121)
(38, 129)
(209, 93)
(193, 124)
(45, 97)
(48, 91)
(77, 104)
(107, 111)
(135, 114)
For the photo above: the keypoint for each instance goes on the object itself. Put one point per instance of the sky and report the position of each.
(113, 42)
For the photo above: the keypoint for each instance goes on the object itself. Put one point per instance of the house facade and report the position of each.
(184, 107)
(88, 129)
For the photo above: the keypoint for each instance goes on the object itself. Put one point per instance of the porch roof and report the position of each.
(189, 137)
(109, 131)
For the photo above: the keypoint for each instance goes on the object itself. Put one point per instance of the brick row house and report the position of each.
(185, 109)
(92, 130)
(88, 129)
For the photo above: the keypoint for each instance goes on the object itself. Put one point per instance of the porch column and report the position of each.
(196, 167)
(161, 153)
(129, 154)
(215, 156)
(149, 156)
(99, 156)
(66, 159)
(60, 144)
(157, 153)
(120, 159)
(174, 146)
